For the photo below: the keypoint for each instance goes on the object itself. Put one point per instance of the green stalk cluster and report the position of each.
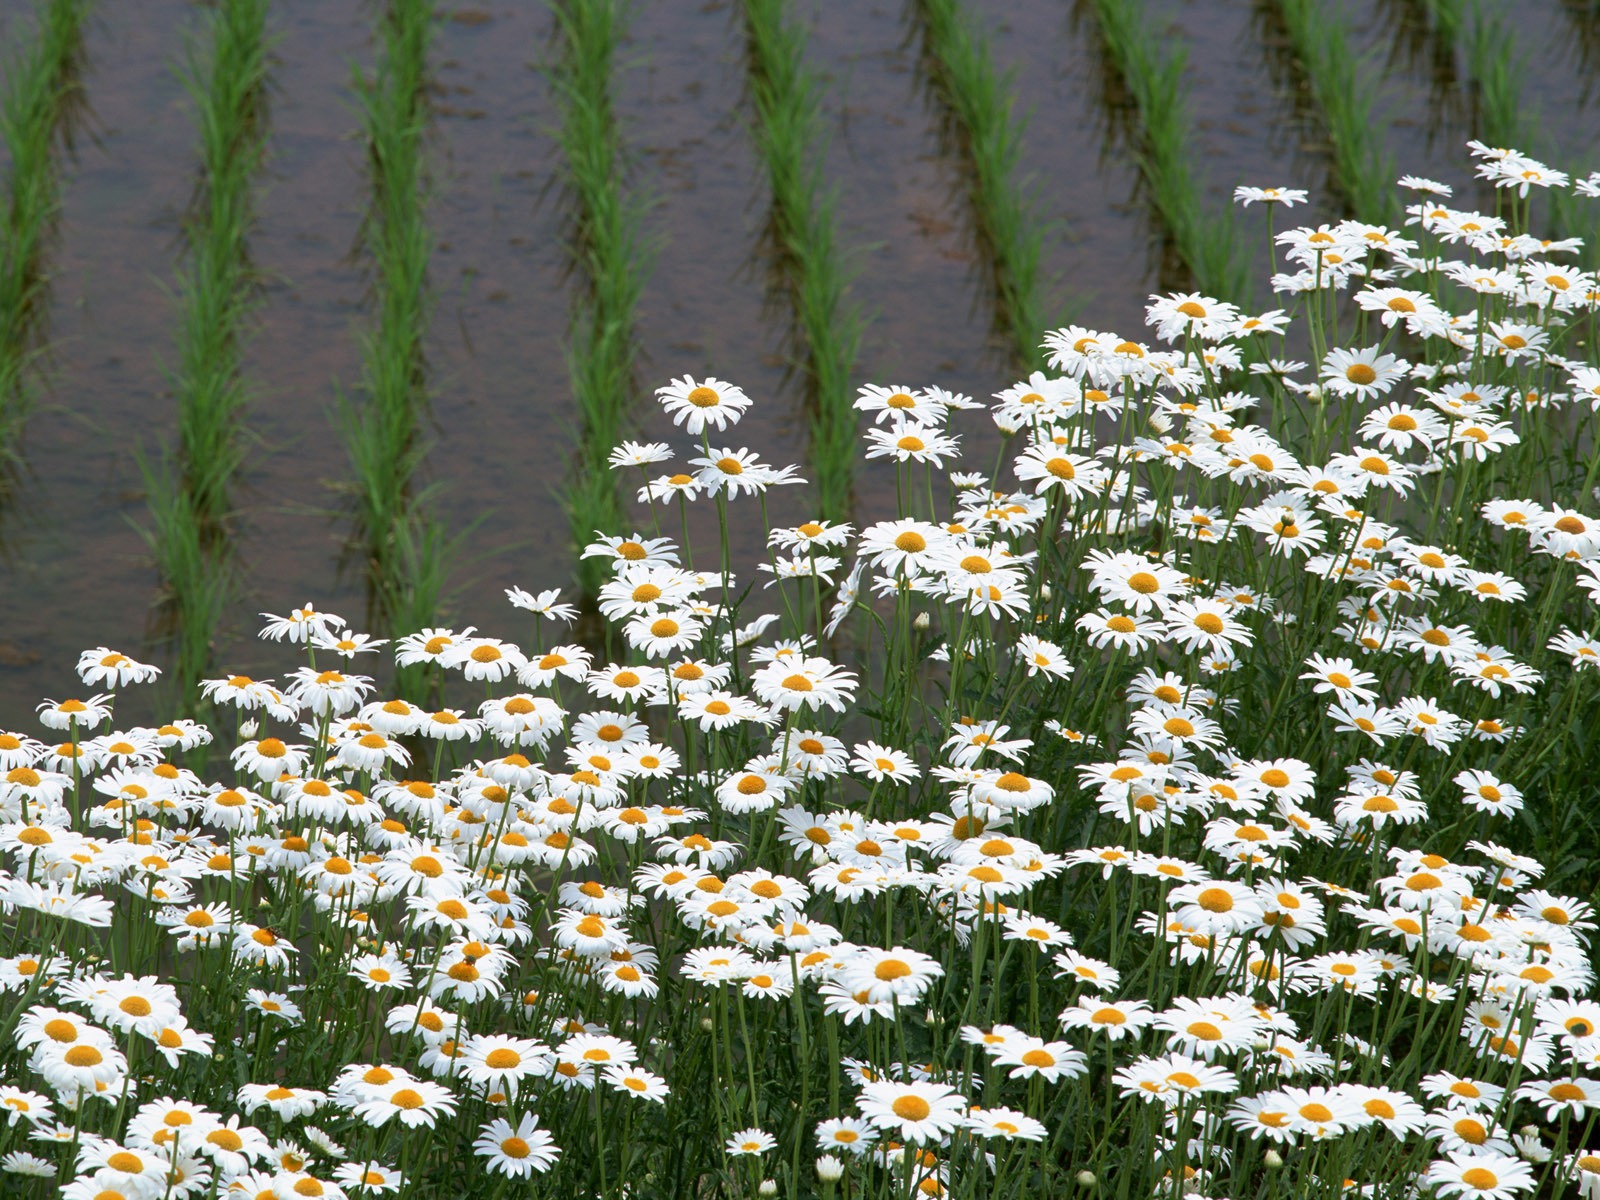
(41, 92)
(608, 258)
(980, 107)
(827, 328)
(1363, 170)
(382, 431)
(1154, 80)
(189, 490)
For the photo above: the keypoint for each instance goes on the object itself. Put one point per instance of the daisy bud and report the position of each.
(249, 729)
(1086, 1179)
(829, 1169)
(920, 622)
(769, 1187)
(1272, 1159)
(1044, 591)
(705, 1024)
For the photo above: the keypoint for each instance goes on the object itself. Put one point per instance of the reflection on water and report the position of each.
(78, 574)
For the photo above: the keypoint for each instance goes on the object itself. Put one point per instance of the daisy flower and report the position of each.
(914, 1111)
(749, 1142)
(1362, 373)
(1479, 1175)
(697, 406)
(516, 1151)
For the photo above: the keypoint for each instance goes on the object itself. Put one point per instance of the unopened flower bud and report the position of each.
(706, 1025)
(1044, 591)
(769, 1187)
(1272, 1159)
(829, 1169)
(920, 622)
(250, 728)
(1086, 1179)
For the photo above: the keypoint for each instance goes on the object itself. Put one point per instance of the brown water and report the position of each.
(75, 571)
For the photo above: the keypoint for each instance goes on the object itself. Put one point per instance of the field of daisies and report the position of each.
(1201, 802)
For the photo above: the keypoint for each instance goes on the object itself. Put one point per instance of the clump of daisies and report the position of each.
(1198, 807)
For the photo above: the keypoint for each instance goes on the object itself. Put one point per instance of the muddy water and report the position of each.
(75, 573)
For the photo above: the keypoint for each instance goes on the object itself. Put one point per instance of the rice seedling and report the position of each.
(608, 258)
(40, 96)
(1207, 799)
(189, 488)
(1204, 242)
(382, 423)
(1360, 166)
(827, 326)
(983, 125)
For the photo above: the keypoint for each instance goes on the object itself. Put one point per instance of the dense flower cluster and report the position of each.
(1160, 824)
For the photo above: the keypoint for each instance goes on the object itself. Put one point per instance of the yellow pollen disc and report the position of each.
(703, 397)
(911, 542)
(911, 1108)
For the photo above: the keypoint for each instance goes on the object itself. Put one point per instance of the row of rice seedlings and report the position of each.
(1501, 115)
(608, 260)
(1361, 165)
(1153, 76)
(979, 105)
(1421, 41)
(1492, 76)
(827, 326)
(190, 487)
(382, 426)
(41, 97)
